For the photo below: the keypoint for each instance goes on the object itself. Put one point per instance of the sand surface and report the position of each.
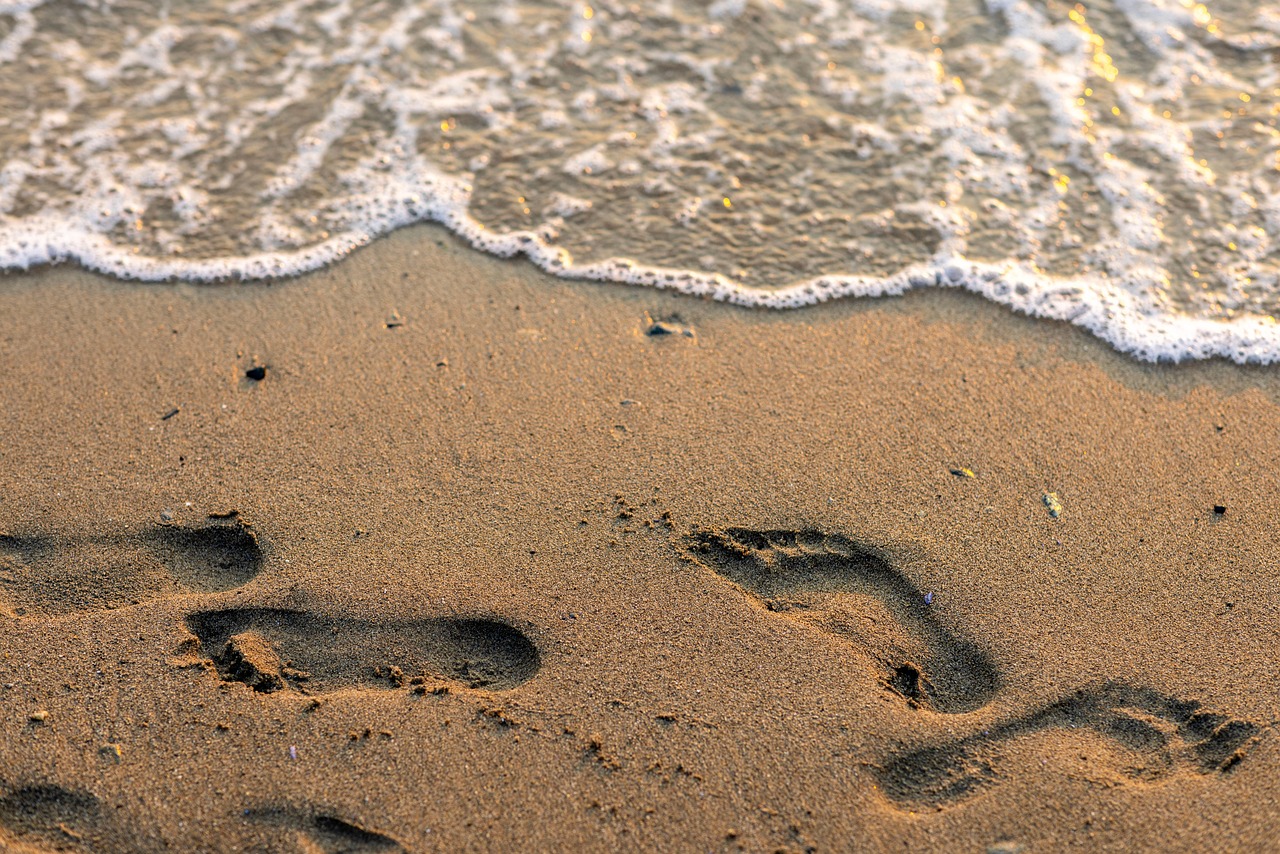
(481, 564)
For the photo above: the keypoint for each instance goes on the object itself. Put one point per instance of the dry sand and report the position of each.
(480, 564)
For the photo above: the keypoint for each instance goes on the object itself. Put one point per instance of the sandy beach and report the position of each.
(488, 560)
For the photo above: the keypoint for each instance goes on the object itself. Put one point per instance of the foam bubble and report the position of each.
(1114, 167)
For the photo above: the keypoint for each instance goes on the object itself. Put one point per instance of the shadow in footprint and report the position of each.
(818, 578)
(51, 818)
(53, 575)
(1163, 734)
(274, 649)
(324, 833)
(208, 559)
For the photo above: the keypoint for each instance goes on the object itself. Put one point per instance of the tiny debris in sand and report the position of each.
(672, 325)
(963, 473)
(1219, 510)
(111, 753)
(1054, 504)
(39, 717)
(257, 373)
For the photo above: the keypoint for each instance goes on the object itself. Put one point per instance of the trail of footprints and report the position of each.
(829, 581)
(268, 649)
(825, 580)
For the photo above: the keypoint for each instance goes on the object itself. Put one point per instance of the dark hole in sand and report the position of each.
(906, 681)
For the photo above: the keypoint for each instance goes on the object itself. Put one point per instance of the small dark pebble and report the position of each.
(257, 373)
(169, 414)
(1219, 510)
(661, 328)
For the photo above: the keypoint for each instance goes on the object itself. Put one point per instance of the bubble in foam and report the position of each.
(1113, 166)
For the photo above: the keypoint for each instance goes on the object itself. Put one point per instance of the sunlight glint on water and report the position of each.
(1109, 163)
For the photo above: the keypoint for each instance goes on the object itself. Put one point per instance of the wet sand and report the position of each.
(480, 563)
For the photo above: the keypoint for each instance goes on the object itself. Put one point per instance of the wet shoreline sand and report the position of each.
(506, 570)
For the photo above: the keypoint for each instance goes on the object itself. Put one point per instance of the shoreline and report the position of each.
(445, 436)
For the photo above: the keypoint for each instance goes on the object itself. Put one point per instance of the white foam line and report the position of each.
(1109, 311)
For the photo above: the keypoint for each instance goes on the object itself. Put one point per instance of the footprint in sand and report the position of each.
(829, 581)
(271, 649)
(812, 576)
(39, 819)
(52, 575)
(1162, 735)
(322, 832)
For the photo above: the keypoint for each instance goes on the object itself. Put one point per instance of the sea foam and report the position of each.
(1111, 164)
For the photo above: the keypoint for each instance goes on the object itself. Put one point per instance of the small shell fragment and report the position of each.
(1054, 504)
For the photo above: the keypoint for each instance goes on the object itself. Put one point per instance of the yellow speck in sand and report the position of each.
(963, 473)
(1054, 504)
(727, 203)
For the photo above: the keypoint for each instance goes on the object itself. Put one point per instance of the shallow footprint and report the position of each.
(273, 649)
(52, 575)
(51, 818)
(817, 578)
(1162, 734)
(321, 832)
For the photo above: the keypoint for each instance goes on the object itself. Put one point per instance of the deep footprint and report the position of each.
(323, 832)
(276, 649)
(51, 818)
(1163, 734)
(809, 574)
(52, 575)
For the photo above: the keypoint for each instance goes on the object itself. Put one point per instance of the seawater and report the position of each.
(1109, 163)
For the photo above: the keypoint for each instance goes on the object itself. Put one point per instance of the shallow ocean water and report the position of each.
(1114, 164)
